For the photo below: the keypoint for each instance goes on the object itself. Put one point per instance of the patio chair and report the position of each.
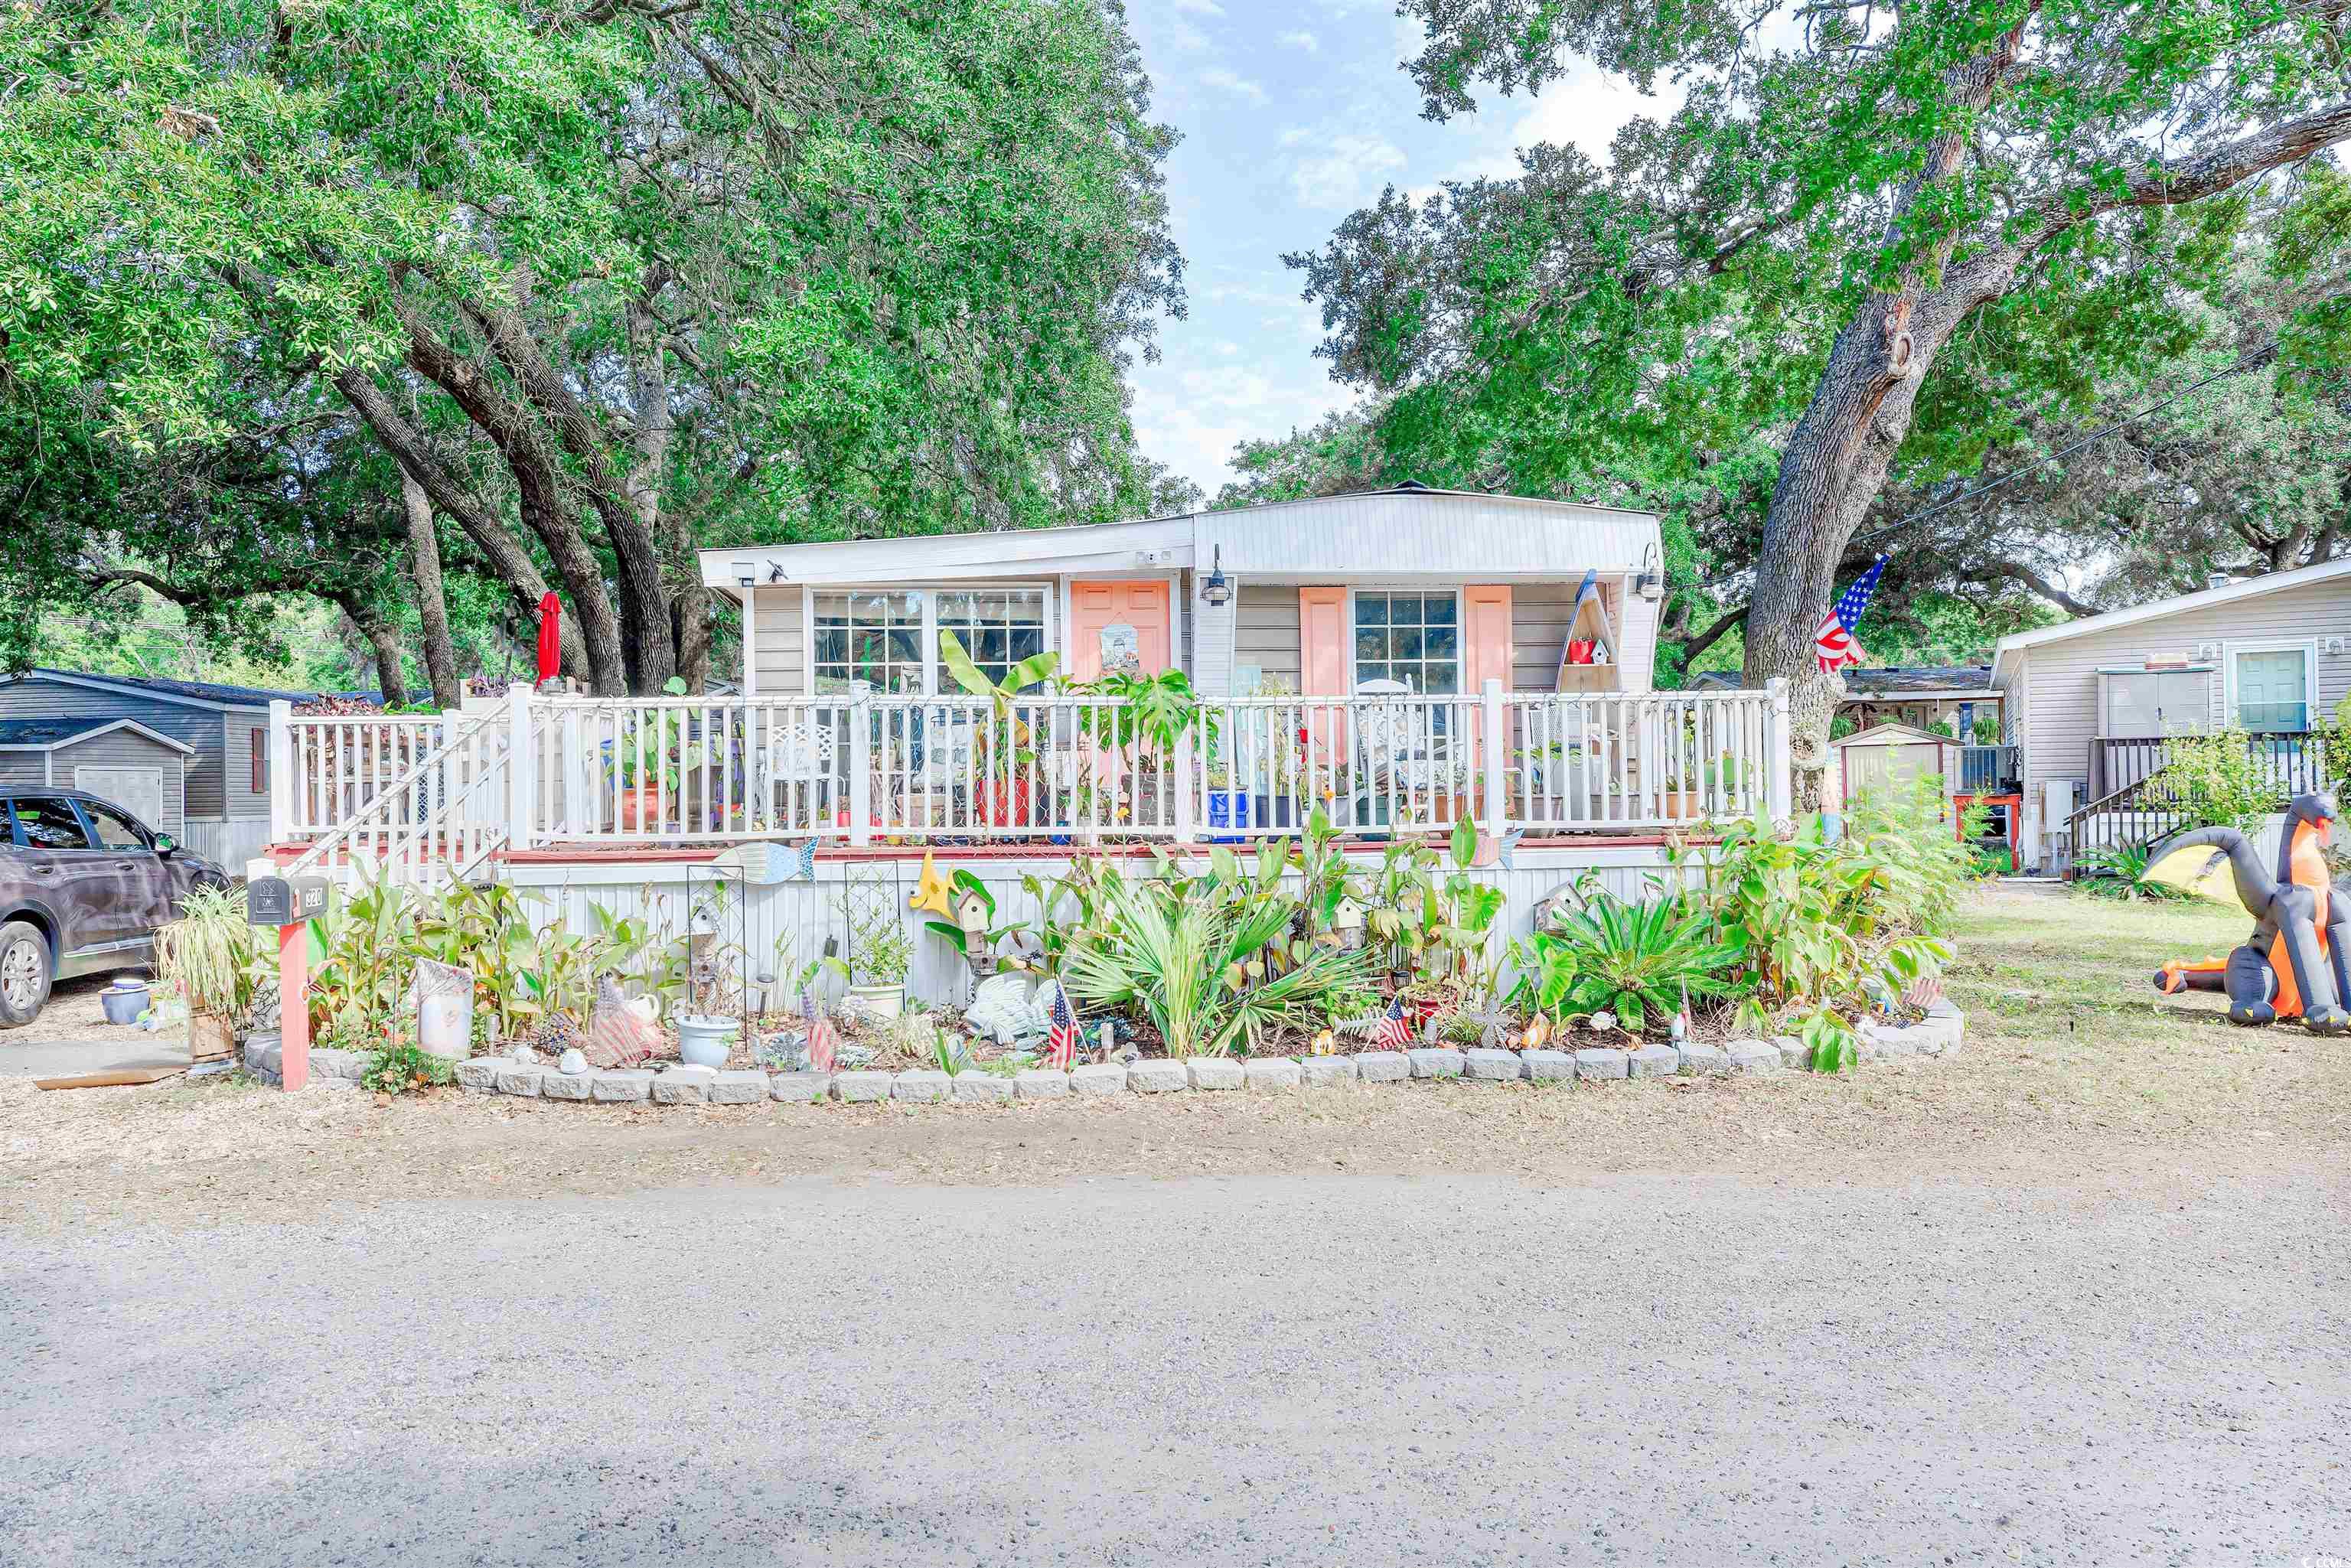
(804, 755)
(1402, 752)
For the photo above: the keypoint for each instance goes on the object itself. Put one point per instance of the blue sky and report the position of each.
(1295, 112)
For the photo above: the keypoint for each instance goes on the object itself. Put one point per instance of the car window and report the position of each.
(114, 829)
(48, 822)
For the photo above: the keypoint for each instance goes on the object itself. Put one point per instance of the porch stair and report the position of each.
(439, 821)
(2124, 819)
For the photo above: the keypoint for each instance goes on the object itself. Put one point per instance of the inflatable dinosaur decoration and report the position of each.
(2293, 964)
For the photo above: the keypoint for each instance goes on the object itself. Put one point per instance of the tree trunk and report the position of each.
(391, 678)
(432, 603)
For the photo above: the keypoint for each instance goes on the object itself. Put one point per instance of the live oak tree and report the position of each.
(598, 282)
(1851, 199)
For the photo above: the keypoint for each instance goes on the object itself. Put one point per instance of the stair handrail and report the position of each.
(395, 791)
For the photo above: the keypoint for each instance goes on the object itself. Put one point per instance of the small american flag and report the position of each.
(1394, 1033)
(1924, 992)
(821, 1040)
(1061, 1038)
(1833, 645)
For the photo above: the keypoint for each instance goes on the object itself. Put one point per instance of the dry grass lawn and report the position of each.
(2075, 1073)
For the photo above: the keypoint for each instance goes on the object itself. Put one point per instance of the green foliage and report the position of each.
(400, 1067)
(881, 269)
(1818, 922)
(879, 947)
(1190, 954)
(210, 957)
(2217, 781)
(2121, 873)
(1635, 960)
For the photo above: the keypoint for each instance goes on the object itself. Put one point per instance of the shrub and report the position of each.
(1634, 960)
(2215, 779)
(1195, 957)
(399, 1067)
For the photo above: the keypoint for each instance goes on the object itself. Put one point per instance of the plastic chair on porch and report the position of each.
(1401, 750)
(803, 755)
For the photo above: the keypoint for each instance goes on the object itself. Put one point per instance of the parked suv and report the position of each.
(83, 885)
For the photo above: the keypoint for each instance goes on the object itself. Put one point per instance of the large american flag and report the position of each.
(1394, 1033)
(822, 1041)
(1833, 645)
(1061, 1036)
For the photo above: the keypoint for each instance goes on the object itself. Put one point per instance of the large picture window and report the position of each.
(1411, 637)
(998, 627)
(890, 639)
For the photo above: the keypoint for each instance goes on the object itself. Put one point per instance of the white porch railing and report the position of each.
(442, 815)
(326, 768)
(864, 766)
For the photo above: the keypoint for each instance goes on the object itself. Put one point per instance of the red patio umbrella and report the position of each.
(550, 636)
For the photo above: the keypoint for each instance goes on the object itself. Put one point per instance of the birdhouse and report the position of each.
(972, 911)
(1348, 917)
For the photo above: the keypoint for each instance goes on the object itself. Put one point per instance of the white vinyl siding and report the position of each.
(2056, 684)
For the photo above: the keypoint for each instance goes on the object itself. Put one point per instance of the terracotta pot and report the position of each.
(1681, 805)
(638, 808)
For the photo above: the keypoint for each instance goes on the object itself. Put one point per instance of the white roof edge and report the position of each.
(94, 731)
(2203, 599)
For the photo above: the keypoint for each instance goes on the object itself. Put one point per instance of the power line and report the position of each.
(2244, 362)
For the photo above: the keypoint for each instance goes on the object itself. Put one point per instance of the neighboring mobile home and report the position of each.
(2090, 703)
(224, 729)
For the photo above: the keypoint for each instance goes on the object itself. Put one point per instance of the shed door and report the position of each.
(137, 791)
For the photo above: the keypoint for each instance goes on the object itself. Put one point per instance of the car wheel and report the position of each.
(24, 974)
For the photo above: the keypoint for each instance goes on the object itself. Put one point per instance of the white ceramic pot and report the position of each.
(881, 1001)
(704, 1042)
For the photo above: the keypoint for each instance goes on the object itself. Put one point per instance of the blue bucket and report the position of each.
(124, 1000)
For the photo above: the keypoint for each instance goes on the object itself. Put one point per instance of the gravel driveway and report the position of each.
(2074, 1296)
(1270, 1370)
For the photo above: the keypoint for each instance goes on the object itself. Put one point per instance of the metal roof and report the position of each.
(1410, 530)
(204, 692)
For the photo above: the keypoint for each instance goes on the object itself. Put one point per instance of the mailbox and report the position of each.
(285, 901)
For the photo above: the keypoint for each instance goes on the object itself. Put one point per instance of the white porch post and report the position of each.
(1497, 749)
(861, 763)
(1781, 761)
(281, 770)
(1188, 775)
(522, 792)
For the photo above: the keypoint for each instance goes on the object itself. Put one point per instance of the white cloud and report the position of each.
(1233, 83)
(1344, 171)
(1200, 8)
(1302, 39)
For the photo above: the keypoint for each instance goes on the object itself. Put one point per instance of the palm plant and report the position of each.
(1634, 960)
(1188, 954)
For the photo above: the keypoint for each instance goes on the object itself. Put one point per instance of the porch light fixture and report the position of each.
(743, 575)
(1217, 589)
(775, 572)
(1649, 583)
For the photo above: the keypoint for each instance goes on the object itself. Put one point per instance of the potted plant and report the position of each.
(1006, 746)
(879, 947)
(650, 759)
(207, 957)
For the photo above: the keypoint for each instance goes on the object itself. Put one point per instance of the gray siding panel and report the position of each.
(21, 767)
(1265, 634)
(243, 729)
(35, 698)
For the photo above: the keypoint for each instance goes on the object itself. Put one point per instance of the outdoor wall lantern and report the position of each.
(1650, 583)
(743, 575)
(1217, 589)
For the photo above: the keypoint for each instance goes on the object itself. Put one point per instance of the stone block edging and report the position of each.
(1940, 1034)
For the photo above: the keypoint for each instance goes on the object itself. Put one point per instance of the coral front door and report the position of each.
(1111, 623)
